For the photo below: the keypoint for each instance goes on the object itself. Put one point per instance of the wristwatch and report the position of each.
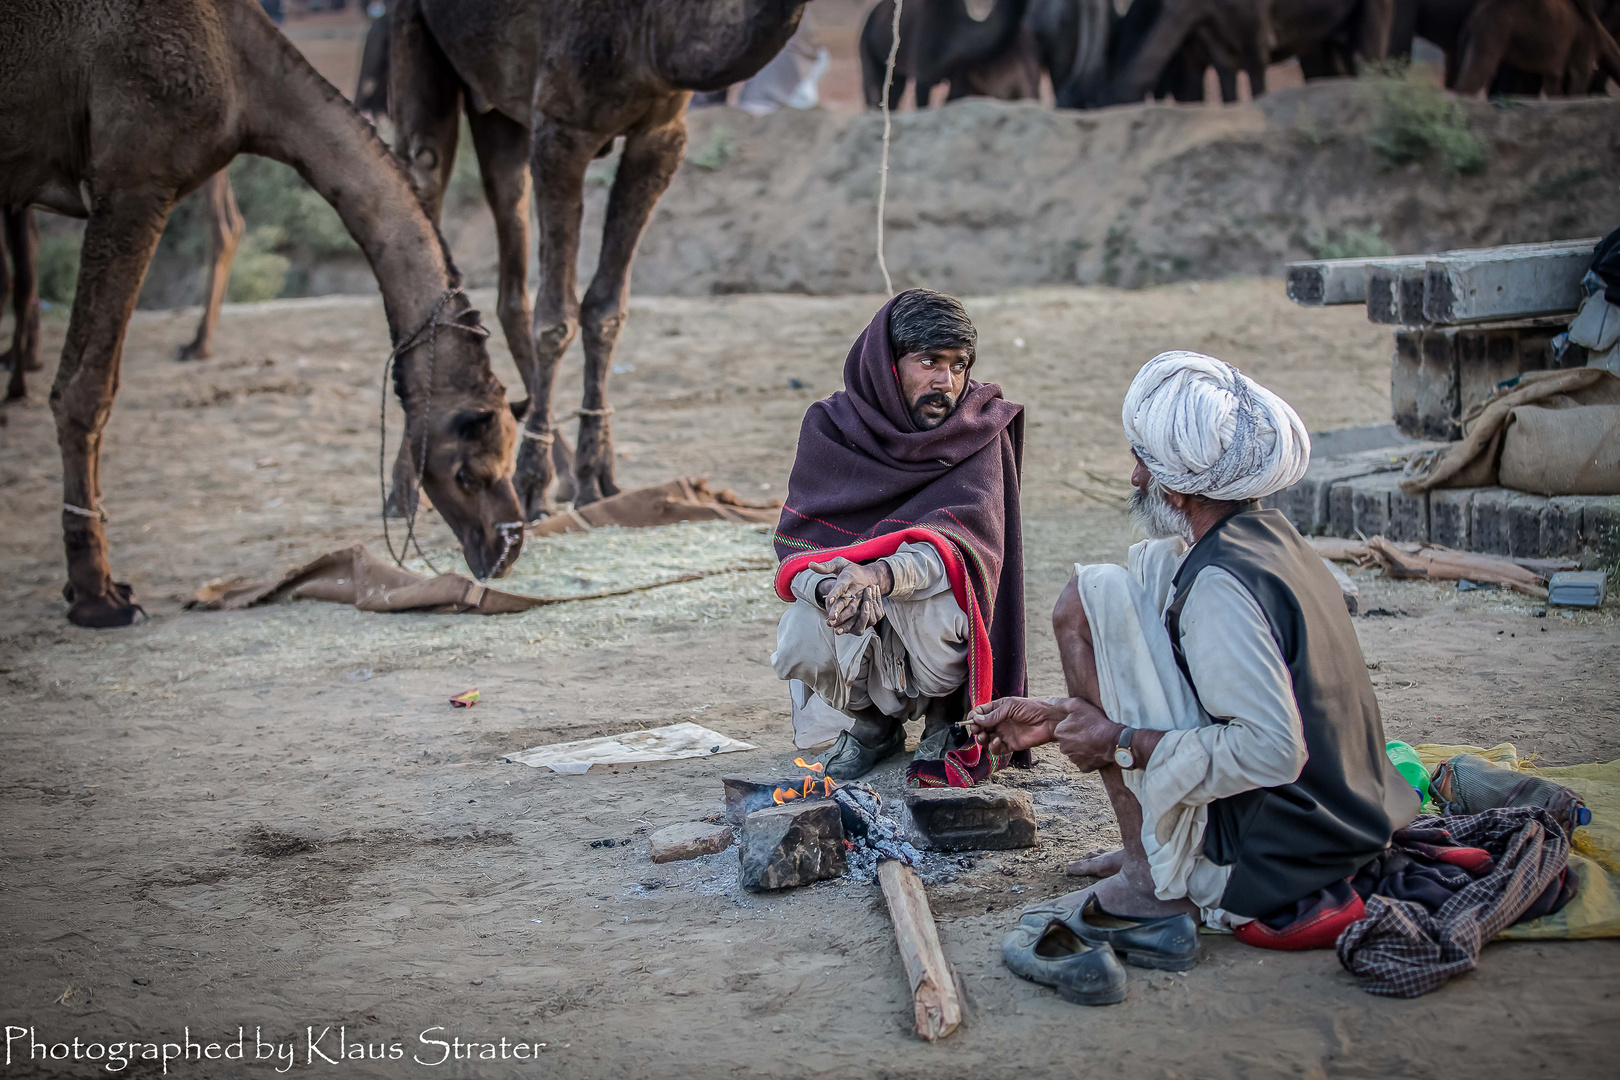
(1122, 749)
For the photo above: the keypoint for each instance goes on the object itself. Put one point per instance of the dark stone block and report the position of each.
(791, 845)
(1488, 521)
(1561, 526)
(1450, 513)
(1600, 526)
(1524, 524)
(970, 819)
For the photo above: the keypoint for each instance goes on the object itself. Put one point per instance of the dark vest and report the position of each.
(1284, 843)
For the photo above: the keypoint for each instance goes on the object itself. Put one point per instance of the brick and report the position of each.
(1375, 505)
(1342, 510)
(1600, 526)
(1486, 358)
(1405, 376)
(689, 840)
(1488, 521)
(1524, 524)
(745, 794)
(1307, 503)
(985, 818)
(1450, 517)
(1561, 526)
(787, 846)
(1437, 390)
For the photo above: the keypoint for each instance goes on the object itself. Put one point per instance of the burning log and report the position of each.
(933, 985)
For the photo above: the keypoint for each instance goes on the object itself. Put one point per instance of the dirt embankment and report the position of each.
(987, 196)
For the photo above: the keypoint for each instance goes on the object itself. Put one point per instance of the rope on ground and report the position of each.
(883, 172)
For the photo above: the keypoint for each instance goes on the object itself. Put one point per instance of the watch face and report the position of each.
(1124, 758)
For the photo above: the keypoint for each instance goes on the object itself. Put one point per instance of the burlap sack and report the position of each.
(1574, 451)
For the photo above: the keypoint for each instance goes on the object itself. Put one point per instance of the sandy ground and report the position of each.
(273, 820)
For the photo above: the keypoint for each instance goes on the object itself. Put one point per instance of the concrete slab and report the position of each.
(1506, 282)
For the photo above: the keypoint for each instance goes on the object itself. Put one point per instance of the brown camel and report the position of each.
(547, 86)
(1559, 44)
(98, 119)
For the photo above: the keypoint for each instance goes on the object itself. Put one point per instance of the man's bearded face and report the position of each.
(932, 383)
(1152, 513)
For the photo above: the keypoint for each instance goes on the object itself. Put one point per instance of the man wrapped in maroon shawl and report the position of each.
(900, 548)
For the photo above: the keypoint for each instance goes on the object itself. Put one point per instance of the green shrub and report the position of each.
(58, 267)
(273, 194)
(258, 273)
(1413, 118)
(1353, 243)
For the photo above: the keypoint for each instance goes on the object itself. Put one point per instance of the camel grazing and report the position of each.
(548, 85)
(117, 110)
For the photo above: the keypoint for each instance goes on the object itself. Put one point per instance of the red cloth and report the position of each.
(865, 480)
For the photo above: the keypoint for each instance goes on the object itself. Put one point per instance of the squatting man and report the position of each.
(1215, 682)
(900, 550)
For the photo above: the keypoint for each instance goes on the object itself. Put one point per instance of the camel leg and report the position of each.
(22, 237)
(558, 156)
(1482, 53)
(424, 93)
(225, 228)
(1141, 73)
(118, 243)
(1374, 27)
(503, 162)
(646, 167)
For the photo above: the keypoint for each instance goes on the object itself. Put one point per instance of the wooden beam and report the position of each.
(933, 987)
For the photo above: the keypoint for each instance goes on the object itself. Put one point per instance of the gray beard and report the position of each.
(1152, 513)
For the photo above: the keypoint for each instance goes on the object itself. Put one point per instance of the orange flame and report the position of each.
(782, 795)
(817, 767)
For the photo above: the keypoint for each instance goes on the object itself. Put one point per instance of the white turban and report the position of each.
(1204, 428)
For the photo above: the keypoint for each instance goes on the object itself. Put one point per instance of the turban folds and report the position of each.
(1204, 428)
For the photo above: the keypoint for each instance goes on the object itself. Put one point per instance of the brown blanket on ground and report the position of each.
(354, 576)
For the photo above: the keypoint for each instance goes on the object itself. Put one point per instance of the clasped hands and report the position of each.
(1082, 731)
(853, 596)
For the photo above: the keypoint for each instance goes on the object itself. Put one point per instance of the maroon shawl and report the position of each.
(865, 481)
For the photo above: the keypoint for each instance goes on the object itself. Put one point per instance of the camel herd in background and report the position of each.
(102, 124)
(1095, 54)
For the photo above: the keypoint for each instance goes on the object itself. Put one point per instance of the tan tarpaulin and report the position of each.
(688, 499)
(354, 576)
(1473, 461)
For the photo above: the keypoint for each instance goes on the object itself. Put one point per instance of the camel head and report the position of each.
(467, 467)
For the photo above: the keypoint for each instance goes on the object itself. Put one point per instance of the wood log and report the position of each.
(933, 987)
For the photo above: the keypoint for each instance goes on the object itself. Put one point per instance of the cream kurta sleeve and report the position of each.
(1239, 675)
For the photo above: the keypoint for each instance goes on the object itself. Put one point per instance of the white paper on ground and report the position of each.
(683, 740)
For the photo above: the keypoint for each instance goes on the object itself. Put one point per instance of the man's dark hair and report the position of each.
(922, 319)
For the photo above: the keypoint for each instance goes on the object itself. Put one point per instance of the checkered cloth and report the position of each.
(1398, 949)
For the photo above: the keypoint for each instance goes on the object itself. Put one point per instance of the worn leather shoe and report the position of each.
(1055, 956)
(851, 759)
(1165, 943)
(934, 744)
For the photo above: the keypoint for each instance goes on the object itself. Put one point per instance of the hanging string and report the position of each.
(883, 172)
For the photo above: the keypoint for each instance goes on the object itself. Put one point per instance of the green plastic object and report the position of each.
(1409, 765)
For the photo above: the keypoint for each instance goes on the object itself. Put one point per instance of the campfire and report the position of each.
(807, 785)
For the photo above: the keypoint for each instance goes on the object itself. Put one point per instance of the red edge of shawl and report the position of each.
(979, 667)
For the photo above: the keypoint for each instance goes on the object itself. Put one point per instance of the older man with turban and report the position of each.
(1215, 683)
